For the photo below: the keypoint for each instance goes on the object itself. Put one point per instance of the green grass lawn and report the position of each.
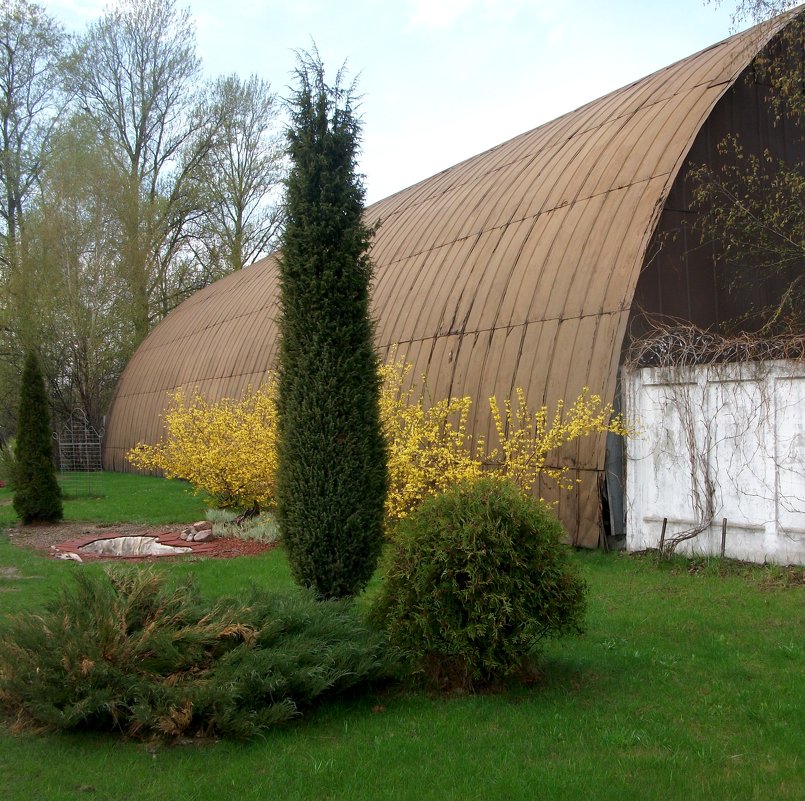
(126, 498)
(686, 685)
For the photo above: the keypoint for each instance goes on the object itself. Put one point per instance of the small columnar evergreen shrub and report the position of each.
(126, 652)
(478, 577)
(37, 495)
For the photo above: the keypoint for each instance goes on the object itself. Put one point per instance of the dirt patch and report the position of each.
(48, 537)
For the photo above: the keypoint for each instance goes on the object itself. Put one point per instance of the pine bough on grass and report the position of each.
(125, 652)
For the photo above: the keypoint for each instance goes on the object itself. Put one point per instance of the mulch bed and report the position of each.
(64, 538)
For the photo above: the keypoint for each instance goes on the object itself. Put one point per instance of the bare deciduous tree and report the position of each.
(751, 210)
(242, 176)
(756, 10)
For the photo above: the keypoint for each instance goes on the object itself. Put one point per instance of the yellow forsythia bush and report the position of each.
(526, 437)
(228, 449)
(429, 449)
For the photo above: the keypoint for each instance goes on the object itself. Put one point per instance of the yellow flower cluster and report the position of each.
(428, 445)
(228, 449)
(526, 437)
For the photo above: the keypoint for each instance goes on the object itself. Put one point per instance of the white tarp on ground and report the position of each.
(718, 441)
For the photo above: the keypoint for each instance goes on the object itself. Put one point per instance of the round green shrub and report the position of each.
(477, 577)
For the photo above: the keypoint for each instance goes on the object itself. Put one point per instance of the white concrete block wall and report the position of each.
(714, 442)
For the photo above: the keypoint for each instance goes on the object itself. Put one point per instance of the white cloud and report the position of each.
(542, 10)
(437, 13)
(483, 14)
(76, 13)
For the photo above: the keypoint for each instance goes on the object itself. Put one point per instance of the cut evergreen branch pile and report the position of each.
(125, 651)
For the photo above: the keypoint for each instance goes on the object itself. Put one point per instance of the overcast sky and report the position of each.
(445, 79)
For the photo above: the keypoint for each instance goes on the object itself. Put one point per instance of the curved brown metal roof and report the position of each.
(514, 268)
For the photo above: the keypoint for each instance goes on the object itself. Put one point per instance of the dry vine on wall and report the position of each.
(723, 451)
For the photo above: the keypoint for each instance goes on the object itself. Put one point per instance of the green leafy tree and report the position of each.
(32, 46)
(137, 77)
(127, 181)
(37, 495)
(331, 481)
(71, 238)
(32, 49)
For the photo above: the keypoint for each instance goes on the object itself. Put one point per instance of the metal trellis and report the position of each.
(80, 462)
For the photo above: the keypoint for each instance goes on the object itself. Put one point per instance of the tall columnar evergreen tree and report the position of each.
(37, 495)
(331, 481)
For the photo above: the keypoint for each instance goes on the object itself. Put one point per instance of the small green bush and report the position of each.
(478, 576)
(125, 651)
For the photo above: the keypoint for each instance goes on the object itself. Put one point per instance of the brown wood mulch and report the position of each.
(63, 538)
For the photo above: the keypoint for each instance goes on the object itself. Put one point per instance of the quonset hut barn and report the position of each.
(525, 266)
